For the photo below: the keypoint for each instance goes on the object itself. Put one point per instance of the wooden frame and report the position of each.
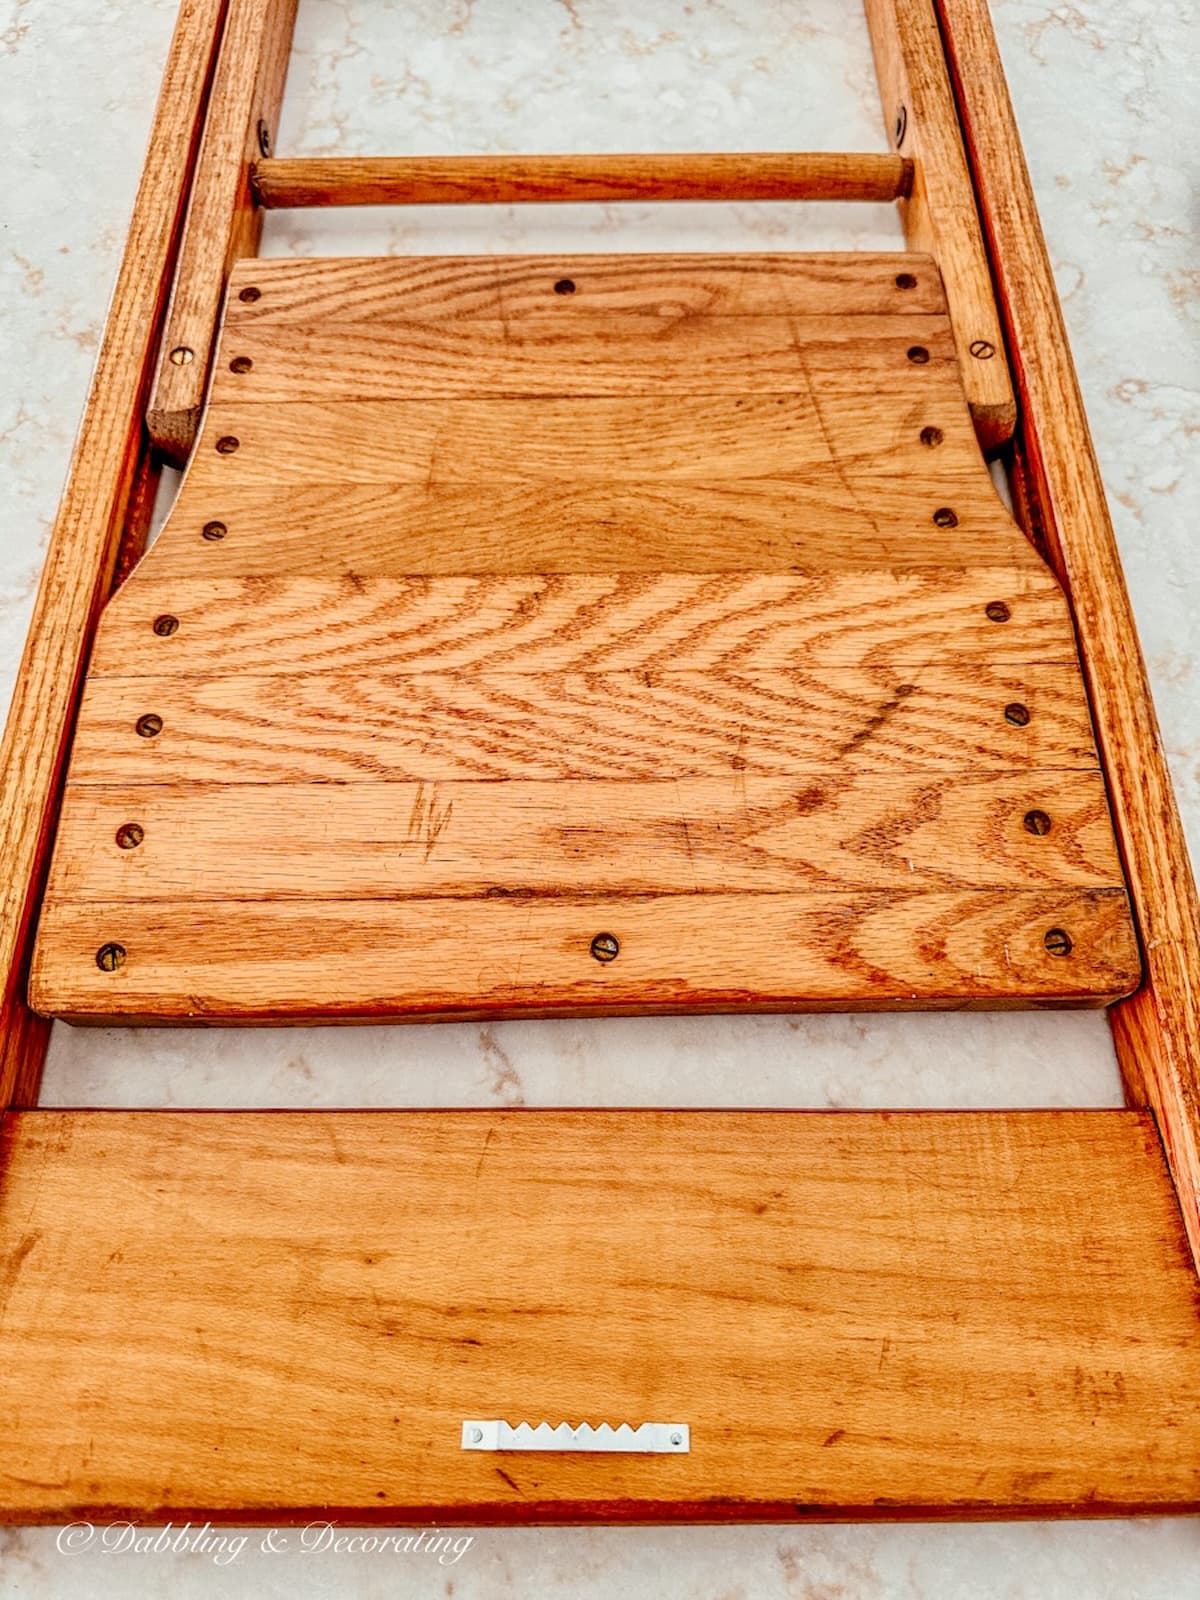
(1099, 1273)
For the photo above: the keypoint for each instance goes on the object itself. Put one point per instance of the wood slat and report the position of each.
(249, 961)
(586, 353)
(608, 440)
(509, 179)
(223, 221)
(639, 622)
(1157, 1032)
(191, 841)
(876, 1315)
(447, 529)
(433, 726)
(939, 215)
(341, 289)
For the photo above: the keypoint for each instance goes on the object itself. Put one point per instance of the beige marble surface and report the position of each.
(1107, 112)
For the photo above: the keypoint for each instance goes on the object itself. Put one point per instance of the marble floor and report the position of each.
(1103, 95)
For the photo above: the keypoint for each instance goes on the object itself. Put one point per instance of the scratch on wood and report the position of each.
(428, 821)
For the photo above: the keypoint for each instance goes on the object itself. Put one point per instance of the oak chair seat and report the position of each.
(624, 633)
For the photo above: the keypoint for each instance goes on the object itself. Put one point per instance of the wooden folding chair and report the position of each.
(557, 636)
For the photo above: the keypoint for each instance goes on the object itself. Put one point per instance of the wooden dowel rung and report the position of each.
(503, 180)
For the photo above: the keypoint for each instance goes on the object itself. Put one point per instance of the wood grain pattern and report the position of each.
(874, 1315)
(736, 525)
(452, 726)
(610, 353)
(1157, 1032)
(512, 955)
(616, 622)
(735, 832)
(612, 610)
(509, 179)
(340, 289)
(789, 439)
(82, 550)
(939, 214)
(223, 221)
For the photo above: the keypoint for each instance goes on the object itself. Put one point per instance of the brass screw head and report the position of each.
(249, 294)
(1017, 714)
(181, 356)
(945, 518)
(931, 437)
(150, 725)
(130, 835)
(1058, 942)
(982, 350)
(213, 530)
(240, 364)
(110, 956)
(1037, 822)
(166, 625)
(997, 611)
(605, 947)
(918, 355)
(227, 444)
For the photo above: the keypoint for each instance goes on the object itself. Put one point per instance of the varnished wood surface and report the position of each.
(1157, 1032)
(82, 549)
(590, 354)
(223, 219)
(939, 213)
(325, 727)
(508, 953)
(364, 288)
(285, 1315)
(503, 180)
(641, 622)
(734, 832)
(579, 532)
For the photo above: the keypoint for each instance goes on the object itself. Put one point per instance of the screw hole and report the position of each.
(918, 355)
(997, 611)
(565, 286)
(150, 725)
(240, 364)
(227, 444)
(213, 530)
(931, 437)
(901, 125)
(605, 947)
(1058, 942)
(905, 280)
(250, 294)
(130, 835)
(110, 956)
(165, 626)
(181, 356)
(945, 518)
(982, 350)
(1017, 714)
(1037, 823)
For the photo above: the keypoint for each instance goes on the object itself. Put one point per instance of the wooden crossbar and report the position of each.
(508, 180)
